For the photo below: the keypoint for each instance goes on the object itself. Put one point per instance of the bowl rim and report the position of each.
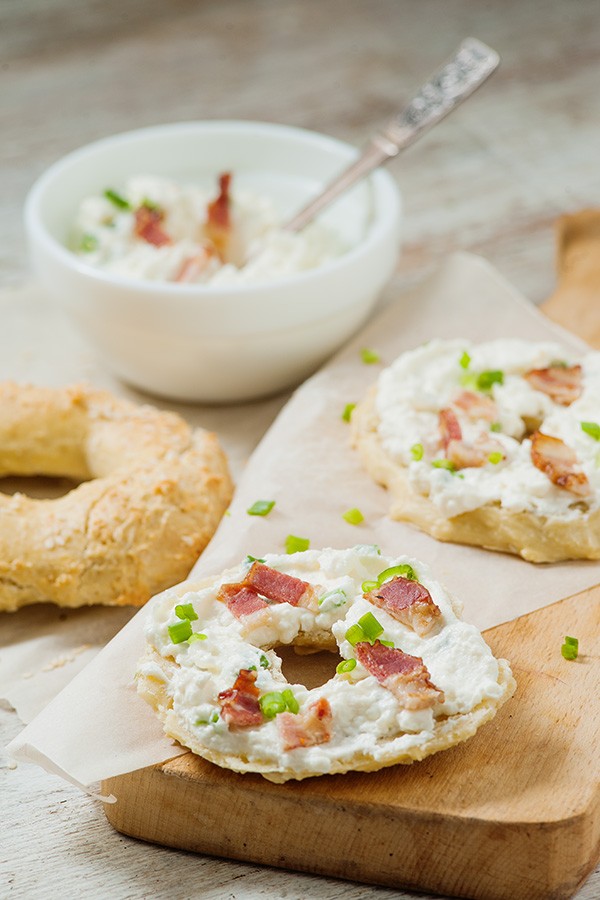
(387, 195)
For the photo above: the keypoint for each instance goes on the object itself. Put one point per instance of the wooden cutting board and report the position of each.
(512, 813)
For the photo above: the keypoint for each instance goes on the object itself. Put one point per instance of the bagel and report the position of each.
(413, 679)
(494, 444)
(152, 495)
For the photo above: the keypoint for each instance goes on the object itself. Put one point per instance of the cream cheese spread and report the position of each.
(422, 382)
(367, 718)
(107, 237)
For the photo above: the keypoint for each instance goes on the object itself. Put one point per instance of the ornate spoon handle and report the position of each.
(473, 63)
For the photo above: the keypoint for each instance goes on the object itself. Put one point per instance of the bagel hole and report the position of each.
(38, 487)
(310, 669)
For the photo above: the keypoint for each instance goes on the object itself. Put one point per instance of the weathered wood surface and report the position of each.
(492, 180)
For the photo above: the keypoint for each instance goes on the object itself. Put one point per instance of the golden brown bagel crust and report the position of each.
(157, 492)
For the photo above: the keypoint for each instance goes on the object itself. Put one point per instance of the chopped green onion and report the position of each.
(465, 360)
(496, 426)
(272, 704)
(368, 586)
(294, 544)
(570, 648)
(403, 569)
(264, 662)
(572, 641)
(558, 364)
(89, 243)
(180, 631)
(387, 643)
(371, 627)
(290, 701)
(252, 668)
(347, 414)
(253, 559)
(261, 508)
(196, 636)
(346, 665)
(591, 428)
(416, 451)
(353, 516)
(214, 718)
(469, 380)
(336, 592)
(444, 464)
(369, 356)
(495, 457)
(119, 201)
(355, 635)
(186, 611)
(485, 380)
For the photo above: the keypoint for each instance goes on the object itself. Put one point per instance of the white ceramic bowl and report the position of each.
(228, 342)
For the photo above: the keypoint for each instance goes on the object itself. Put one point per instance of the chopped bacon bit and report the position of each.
(408, 602)
(277, 586)
(405, 676)
(449, 427)
(148, 227)
(239, 704)
(477, 406)
(194, 266)
(562, 383)
(557, 461)
(218, 221)
(308, 728)
(240, 600)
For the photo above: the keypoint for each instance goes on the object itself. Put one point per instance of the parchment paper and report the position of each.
(98, 727)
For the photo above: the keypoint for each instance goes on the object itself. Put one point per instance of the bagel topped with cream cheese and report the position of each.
(494, 444)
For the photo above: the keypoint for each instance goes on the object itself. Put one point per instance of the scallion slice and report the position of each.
(119, 201)
(496, 426)
(465, 360)
(569, 651)
(180, 632)
(253, 559)
(495, 457)
(404, 569)
(89, 243)
(355, 635)
(290, 701)
(347, 413)
(261, 508)
(331, 595)
(272, 704)
(371, 627)
(387, 643)
(186, 611)
(368, 586)
(264, 662)
(346, 665)
(369, 356)
(591, 428)
(416, 451)
(485, 380)
(196, 636)
(444, 464)
(353, 516)
(295, 544)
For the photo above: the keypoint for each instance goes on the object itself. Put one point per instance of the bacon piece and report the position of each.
(240, 600)
(408, 602)
(449, 427)
(557, 461)
(194, 266)
(477, 406)
(277, 586)
(306, 729)
(148, 227)
(239, 704)
(405, 676)
(218, 224)
(562, 383)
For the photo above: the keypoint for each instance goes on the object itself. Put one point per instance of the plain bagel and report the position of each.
(152, 494)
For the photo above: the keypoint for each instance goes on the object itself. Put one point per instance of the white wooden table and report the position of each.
(492, 180)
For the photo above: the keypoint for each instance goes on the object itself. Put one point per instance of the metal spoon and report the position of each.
(472, 64)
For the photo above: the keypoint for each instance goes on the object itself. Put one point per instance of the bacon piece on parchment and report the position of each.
(405, 676)
(477, 406)
(279, 587)
(562, 383)
(306, 729)
(218, 225)
(148, 226)
(449, 427)
(239, 704)
(558, 462)
(408, 602)
(240, 600)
